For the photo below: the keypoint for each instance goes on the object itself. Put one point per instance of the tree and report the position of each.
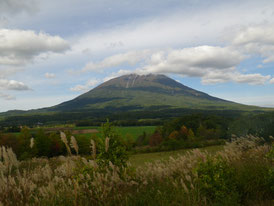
(190, 135)
(113, 150)
(43, 144)
(155, 139)
(24, 150)
(174, 135)
(184, 132)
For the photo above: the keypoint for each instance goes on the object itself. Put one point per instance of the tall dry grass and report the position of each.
(74, 180)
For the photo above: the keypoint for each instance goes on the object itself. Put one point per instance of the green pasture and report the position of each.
(137, 160)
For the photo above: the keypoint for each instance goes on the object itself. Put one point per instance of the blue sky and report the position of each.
(52, 51)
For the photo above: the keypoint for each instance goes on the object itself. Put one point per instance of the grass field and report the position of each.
(141, 159)
(134, 132)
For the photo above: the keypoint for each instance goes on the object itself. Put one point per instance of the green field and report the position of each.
(140, 159)
(134, 132)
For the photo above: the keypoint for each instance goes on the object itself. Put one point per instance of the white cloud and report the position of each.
(271, 81)
(89, 84)
(212, 64)
(18, 47)
(194, 61)
(253, 79)
(234, 76)
(130, 58)
(50, 75)
(12, 85)
(121, 72)
(6, 96)
(182, 27)
(257, 40)
(79, 88)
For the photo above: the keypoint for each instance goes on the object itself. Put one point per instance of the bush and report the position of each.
(142, 139)
(155, 139)
(217, 182)
(114, 150)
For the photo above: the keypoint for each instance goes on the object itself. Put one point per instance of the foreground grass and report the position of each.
(241, 173)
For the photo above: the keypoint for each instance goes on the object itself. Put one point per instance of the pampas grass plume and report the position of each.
(107, 144)
(73, 144)
(93, 148)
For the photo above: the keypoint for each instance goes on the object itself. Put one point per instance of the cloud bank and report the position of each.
(18, 47)
(257, 40)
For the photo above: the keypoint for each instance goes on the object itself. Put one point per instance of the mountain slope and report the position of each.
(135, 92)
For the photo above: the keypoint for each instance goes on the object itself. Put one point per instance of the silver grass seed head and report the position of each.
(73, 144)
(31, 142)
(93, 148)
(107, 144)
(64, 137)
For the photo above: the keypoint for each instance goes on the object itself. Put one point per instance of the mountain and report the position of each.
(130, 98)
(139, 92)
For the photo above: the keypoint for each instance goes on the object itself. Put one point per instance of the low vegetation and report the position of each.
(39, 167)
(240, 174)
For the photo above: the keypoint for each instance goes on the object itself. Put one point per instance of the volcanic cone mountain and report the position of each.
(138, 92)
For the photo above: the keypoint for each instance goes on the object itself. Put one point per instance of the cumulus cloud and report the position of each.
(257, 40)
(89, 84)
(212, 64)
(271, 81)
(50, 75)
(6, 96)
(18, 47)
(12, 85)
(194, 61)
(130, 58)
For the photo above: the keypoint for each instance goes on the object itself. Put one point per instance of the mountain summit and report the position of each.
(135, 92)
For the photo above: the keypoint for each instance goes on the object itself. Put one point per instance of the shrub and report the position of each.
(43, 144)
(142, 139)
(155, 139)
(217, 181)
(113, 150)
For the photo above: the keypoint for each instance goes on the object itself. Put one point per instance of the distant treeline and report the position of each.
(188, 131)
(123, 117)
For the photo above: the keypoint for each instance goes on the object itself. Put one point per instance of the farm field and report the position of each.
(137, 160)
(134, 131)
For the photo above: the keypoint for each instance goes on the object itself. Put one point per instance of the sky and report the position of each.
(53, 51)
